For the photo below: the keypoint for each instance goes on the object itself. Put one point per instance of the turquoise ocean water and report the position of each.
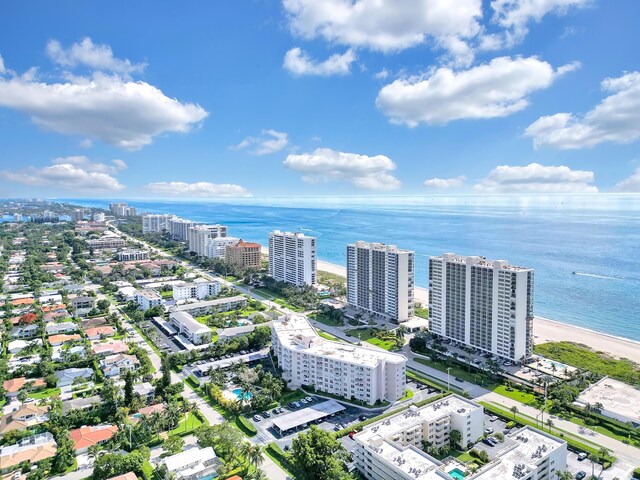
(596, 236)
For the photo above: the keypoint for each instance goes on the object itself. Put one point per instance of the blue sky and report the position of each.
(299, 97)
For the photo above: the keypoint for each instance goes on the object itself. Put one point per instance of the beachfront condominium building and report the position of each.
(199, 235)
(156, 223)
(341, 369)
(77, 215)
(98, 217)
(292, 258)
(217, 247)
(119, 209)
(244, 254)
(199, 290)
(179, 228)
(380, 280)
(485, 304)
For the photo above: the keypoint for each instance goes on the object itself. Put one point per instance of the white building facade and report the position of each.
(147, 299)
(190, 328)
(156, 223)
(380, 280)
(345, 370)
(199, 290)
(217, 247)
(132, 255)
(292, 258)
(179, 228)
(200, 235)
(486, 304)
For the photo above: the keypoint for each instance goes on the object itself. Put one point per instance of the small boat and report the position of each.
(573, 273)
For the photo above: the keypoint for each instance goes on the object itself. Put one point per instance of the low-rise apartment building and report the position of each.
(199, 290)
(189, 327)
(132, 255)
(107, 241)
(212, 306)
(147, 299)
(345, 370)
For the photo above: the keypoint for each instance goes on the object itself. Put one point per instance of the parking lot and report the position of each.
(616, 471)
(162, 341)
(267, 433)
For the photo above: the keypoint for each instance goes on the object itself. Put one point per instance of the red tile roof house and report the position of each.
(125, 476)
(86, 436)
(109, 348)
(96, 333)
(12, 387)
(57, 340)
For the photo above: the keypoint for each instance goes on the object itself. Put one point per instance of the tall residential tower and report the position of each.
(380, 280)
(292, 258)
(486, 304)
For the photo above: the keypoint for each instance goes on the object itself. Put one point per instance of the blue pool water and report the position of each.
(456, 474)
(238, 393)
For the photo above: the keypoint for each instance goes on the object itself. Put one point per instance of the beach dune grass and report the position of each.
(583, 357)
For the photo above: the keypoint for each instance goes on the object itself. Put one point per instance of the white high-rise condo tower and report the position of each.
(486, 304)
(292, 258)
(156, 223)
(380, 280)
(200, 235)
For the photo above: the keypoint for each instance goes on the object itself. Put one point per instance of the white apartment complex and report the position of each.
(147, 299)
(292, 258)
(189, 327)
(486, 304)
(380, 280)
(346, 370)
(217, 247)
(132, 255)
(199, 290)
(391, 449)
(106, 241)
(156, 223)
(179, 228)
(199, 236)
(119, 209)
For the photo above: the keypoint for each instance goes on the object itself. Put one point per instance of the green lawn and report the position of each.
(422, 312)
(368, 335)
(49, 392)
(464, 457)
(514, 394)
(186, 425)
(318, 317)
(328, 336)
(460, 372)
(600, 429)
(407, 396)
(147, 470)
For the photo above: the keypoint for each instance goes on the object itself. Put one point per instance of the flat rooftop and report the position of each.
(529, 446)
(411, 461)
(480, 262)
(211, 303)
(416, 416)
(190, 323)
(306, 415)
(296, 333)
(615, 396)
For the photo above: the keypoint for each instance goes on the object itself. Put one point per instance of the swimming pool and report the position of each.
(238, 393)
(456, 474)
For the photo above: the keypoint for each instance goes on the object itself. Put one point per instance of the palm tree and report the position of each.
(455, 437)
(187, 408)
(593, 458)
(253, 454)
(549, 424)
(603, 454)
(514, 410)
(93, 451)
(258, 475)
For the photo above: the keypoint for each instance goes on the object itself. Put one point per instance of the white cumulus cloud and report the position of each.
(269, 141)
(630, 184)
(88, 54)
(71, 174)
(297, 62)
(197, 189)
(496, 89)
(386, 25)
(445, 183)
(106, 107)
(363, 171)
(536, 178)
(515, 15)
(616, 119)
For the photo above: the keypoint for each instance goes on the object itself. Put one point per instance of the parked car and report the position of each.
(488, 431)
(580, 475)
(582, 456)
(257, 418)
(493, 418)
(308, 399)
(362, 418)
(458, 379)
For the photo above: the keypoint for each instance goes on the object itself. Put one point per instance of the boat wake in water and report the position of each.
(594, 275)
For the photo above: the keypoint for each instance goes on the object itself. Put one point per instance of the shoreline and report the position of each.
(544, 329)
